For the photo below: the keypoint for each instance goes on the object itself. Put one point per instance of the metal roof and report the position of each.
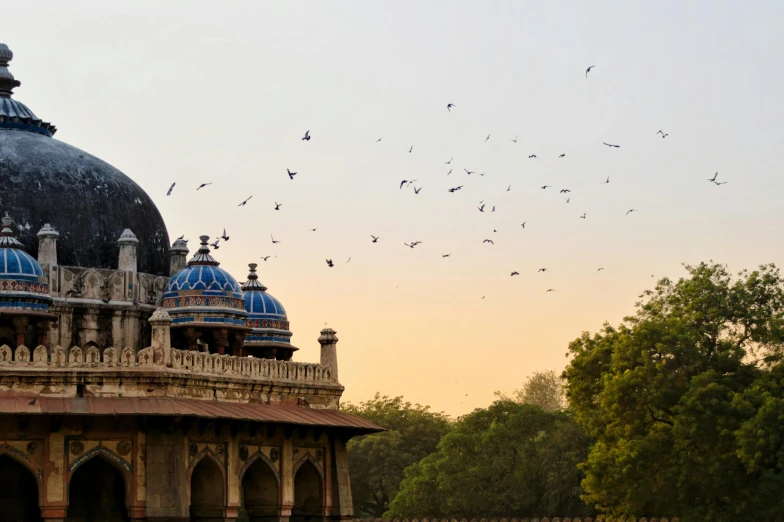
(177, 407)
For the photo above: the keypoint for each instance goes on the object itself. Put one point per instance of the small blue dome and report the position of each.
(23, 286)
(267, 318)
(204, 293)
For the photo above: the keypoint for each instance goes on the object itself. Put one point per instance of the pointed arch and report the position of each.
(309, 491)
(98, 489)
(207, 485)
(260, 488)
(20, 491)
(308, 457)
(22, 458)
(112, 459)
(259, 455)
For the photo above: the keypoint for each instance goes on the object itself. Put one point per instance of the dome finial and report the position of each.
(7, 80)
(7, 239)
(253, 282)
(202, 256)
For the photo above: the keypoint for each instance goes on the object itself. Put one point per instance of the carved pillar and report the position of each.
(42, 333)
(286, 479)
(47, 245)
(20, 328)
(345, 507)
(238, 339)
(329, 352)
(128, 243)
(221, 336)
(161, 337)
(178, 254)
(193, 335)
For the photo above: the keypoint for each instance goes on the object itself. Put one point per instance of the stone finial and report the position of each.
(253, 282)
(178, 254)
(329, 354)
(161, 337)
(7, 81)
(47, 245)
(202, 256)
(179, 245)
(328, 336)
(127, 261)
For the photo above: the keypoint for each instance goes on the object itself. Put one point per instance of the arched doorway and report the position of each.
(208, 500)
(18, 492)
(96, 493)
(308, 494)
(260, 493)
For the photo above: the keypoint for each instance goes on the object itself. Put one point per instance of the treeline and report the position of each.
(677, 411)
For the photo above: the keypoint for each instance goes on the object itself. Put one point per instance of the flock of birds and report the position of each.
(482, 206)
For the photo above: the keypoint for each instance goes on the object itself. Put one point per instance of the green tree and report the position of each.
(676, 399)
(508, 459)
(544, 389)
(377, 461)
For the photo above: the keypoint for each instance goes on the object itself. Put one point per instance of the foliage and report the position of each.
(543, 388)
(508, 459)
(377, 461)
(684, 400)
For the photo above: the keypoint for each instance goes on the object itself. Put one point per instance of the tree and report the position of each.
(543, 389)
(509, 459)
(681, 399)
(377, 461)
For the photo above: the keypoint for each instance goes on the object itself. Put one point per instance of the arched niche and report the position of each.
(208, 491)
(97, 491)
(260, 490)
(308, 494)
(18, 492)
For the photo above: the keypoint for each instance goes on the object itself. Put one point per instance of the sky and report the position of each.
(195, 92)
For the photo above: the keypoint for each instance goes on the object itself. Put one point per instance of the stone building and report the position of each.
(135, 383)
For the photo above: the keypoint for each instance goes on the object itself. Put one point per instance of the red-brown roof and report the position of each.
(170, 406)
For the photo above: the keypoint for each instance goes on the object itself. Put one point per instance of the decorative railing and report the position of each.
(599, 518)
(179, 360)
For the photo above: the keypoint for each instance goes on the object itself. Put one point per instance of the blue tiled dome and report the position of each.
(204, 293)
(22, 282)
(267, 318)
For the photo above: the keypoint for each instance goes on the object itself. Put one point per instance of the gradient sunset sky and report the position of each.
(194, 92)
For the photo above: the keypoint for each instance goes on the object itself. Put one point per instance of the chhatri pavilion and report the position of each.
(136, 383)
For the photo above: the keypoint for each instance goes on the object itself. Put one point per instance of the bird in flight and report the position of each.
(182, 237)
(448, 173)
(544, 187)
(588, 70)
(514, 140)
(532, 156)
(493, 209)
(514, 273)
(550, 290)
(381, 138)
(523, 224)
(660, 132)
(450, 161)
(630, 211)
(329, 263)
(606, 182)
(665, 135)
(291, 174)
(481, 207)
(449, 106)
(375, 238)
(245, 202)
(562, 156)
(719, 182)
(488, 241)
(611, 145)
(583, 216)
(469, 172)
(172, 188)
(215, 244)
(599, 269)
(713, 179)
(224, 236)
(307, 136)
(416, 190)
(278, 205)
(445, 255)
(455, 189)
(313, 229)
(412, 244)
(509, 188)
(410, 149)
(202, 185)
(265, 257)
(349, 259)
(542, 270)
(565, 191)
(568, 200)
(273, 240)
(488, 137)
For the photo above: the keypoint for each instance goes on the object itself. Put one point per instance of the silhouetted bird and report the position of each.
(544, 187)
(455, 189)
(278, 205)
(611, 145)
(291, 174)
(488, 137)
(532, 156)
(448, 173)
(32, 402)
(542, 270)
(224, 236)
(375, 239)
(515, 140)
(488, 241)
(273, 240)
(244, 202)
(449, 106)
(469, 172)
(416, 190)
(565, 191)
(523, 224)
(182, 237)
(582, 217)
(412, 148)
(171, 188)
(562, 156)
(481, 208)
(265, 257)
(630, 211)
(509, 188)
(203, 185)
(719, 183)
(450, 161)
(381, 138)
(515, 273)
(599, 269)
(568, 200)
(713, 179)
(605, 182)
(588, 70)
(307, 136)
(215, 244)
(329, 263)
(446, 255)
(550, 290)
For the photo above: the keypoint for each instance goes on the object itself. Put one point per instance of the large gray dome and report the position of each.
(89, 202)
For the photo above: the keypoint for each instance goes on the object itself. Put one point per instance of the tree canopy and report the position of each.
(684, 400)
(543, 388)
(508, 459)
(378, 461)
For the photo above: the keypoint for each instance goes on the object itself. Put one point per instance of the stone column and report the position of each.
(329, 354)
(47, 245)
(20, 328)
(286, 479)
(161, 337)
(178, 256)
(193, 335)
(128, 243)
(221, 336)
(346, 504)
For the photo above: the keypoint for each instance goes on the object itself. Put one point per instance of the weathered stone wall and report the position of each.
(599, 518)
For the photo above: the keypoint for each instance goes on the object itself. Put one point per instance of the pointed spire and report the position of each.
(253, 282)
(7, 80)
(7, 239)
(202, 256)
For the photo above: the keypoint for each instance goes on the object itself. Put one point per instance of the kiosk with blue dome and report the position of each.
(270, 337)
